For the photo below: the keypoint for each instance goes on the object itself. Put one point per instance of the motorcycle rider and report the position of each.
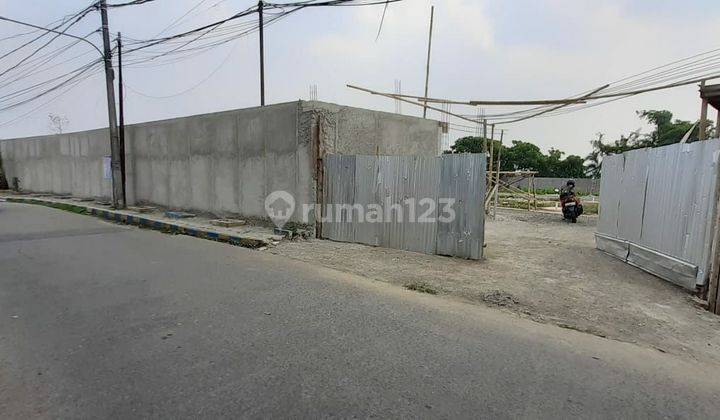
(567, 194)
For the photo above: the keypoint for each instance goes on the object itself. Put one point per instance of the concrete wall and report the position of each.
(355, 131)
(64, 164)
(224, 163)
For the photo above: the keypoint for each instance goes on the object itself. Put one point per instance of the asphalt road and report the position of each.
(105, 321)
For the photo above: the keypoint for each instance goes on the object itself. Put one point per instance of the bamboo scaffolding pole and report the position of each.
(497, 175)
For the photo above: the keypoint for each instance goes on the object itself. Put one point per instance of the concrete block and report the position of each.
(178, 215)
(142, 209)
(283, 232)
(227, 223)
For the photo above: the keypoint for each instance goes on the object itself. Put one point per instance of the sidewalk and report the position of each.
(248, 236)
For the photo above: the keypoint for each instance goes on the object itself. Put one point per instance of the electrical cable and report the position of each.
(178, 20)
(211, 74)
(53, 99)
(58, 34)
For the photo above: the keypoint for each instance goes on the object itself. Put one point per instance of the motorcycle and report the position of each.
(571, 206)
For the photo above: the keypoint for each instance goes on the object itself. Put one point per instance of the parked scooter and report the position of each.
(571, 206)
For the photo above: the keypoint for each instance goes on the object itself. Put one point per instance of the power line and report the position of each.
(40, 84)
(152, 42)
(31, 111)
(57, 34)
(254, 9)
(205, 79)
(702, 66)
(79, 72)
(130, 3)
(190, 52)
(182, 46)
(38, 63)
(45, 31)
(176, 21)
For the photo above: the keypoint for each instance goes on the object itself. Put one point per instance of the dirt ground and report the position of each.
(540, 267)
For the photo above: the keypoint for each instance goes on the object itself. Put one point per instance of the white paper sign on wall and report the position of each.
(107, 168)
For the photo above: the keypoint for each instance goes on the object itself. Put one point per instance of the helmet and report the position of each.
(570, 183)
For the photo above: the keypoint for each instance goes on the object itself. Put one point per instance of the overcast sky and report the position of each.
(525, 49)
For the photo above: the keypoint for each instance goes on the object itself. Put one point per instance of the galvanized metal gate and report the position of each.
(424, 204)
(657, 209)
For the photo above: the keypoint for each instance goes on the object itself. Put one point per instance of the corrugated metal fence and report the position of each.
(432, 205)
(657, 209)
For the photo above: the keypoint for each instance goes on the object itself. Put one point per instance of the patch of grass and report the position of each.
(499, 298)
(76, 209)
(422, 288)
(523, 204)
(588, 208)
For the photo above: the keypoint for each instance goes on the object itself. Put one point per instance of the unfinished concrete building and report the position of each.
(223, 163)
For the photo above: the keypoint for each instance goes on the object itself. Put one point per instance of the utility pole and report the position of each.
(117, 185)
(262, 55)
(427, 67)
(121, 100)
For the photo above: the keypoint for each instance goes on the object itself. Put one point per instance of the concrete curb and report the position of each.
(145, 222)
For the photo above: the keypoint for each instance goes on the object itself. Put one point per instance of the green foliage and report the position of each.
(422, 288)
(3, 180)
(666, 131)
(528, 157)
(467, 144)
(525, 156)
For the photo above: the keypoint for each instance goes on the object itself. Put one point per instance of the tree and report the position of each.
(600, 149)
(553, 163)
(469, 144)
(594, 159)
(522, 156)
(665, 132)
(3, 179)
(668, 131)
(572, 166)
(525, 156)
